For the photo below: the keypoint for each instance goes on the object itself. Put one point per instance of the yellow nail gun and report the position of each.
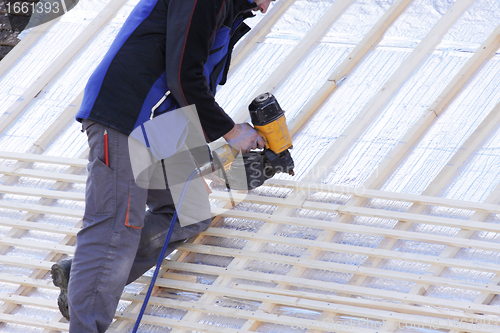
(269, 120)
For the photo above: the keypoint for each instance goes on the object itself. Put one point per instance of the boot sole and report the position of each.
(60, 280)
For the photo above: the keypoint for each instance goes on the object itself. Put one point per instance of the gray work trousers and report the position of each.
(119, 239)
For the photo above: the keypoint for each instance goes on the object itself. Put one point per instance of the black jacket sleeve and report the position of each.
(191, 28)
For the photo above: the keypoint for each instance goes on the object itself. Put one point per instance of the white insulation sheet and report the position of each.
(475, 181)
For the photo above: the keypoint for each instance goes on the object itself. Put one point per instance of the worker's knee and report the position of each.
(195, 228)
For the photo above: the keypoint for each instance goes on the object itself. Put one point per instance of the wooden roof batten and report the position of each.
(333, 301)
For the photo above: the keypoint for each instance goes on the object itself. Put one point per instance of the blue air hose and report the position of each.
(164, 249)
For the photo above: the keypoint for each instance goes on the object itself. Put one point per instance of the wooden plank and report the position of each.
(31, 301)
(410, 140)
(359, 229)
(408, 217)
(41, 209)
(27, 281)
(223, 311)
(485, 52)
(41, 246)
(173, 323)
(336, 267)
(194, 326)
(437, 186)
(325, 91)
(367, 193)
(298, 53)
(368, 42)
(51, 194)
(355, 250)
(39, 174)
(299, 282)
(35, 322)
(25, 263)
(28, 225)
(238, 197)
(59, 63)
(76, 162)
(46, 265)
(452, 252)
(370, 304)
(312, 304)
(389, 89)
(466, 151)
(37, 272)
(24, 45)
(381, 213)
(258, 33)
(61, 123)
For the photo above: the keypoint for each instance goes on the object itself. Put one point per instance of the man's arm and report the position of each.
(192, 24)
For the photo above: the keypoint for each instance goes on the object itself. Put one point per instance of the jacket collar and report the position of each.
(243, 6)
(238, 9)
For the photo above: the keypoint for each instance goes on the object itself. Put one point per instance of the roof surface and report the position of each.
(389, 225)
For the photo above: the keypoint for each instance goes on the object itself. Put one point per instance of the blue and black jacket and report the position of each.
(181, 46)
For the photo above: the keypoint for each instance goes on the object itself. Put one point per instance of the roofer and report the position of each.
(177, 46)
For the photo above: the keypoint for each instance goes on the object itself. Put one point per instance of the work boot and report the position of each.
(60, 278)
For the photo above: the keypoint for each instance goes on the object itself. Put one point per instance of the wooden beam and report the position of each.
(41, 209)
(389, 89)
(46, 265)
(352, 249)
(369, 304)
(450, 252)
(297, 54)
(30, 321)
(51, 194)
(61, 123)
(388, 215)
(371, 39)
(258, 33)
(466, 151)
(484, 53)
(339, 288)
(39, 174)
(41, 246)
(313, 104)
(221, 311)
(436, 186)
(77, 162)
(59, 63)
(24, 45)
(408, 217)
(363, 192)
(313, 305)
(415, 134)
(336, 267)
(28, 225)
(360, 229)
(27, 281)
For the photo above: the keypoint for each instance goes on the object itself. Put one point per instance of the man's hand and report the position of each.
(244, 137)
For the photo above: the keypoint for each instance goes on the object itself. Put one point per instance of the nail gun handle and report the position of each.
(276, 135)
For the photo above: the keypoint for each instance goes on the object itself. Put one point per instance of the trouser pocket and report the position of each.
(101, 193)
(136, 195)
